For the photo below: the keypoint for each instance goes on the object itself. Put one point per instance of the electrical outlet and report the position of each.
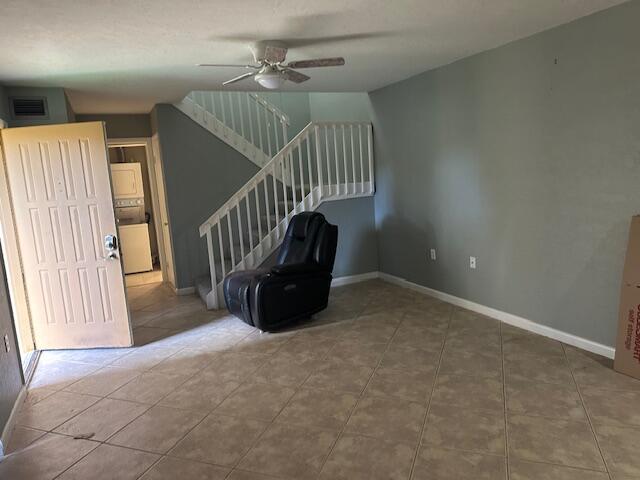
(432, 253)
(7, 345)
(472, 262)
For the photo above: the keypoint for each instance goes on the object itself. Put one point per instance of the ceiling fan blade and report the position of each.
(294, 76)
(318, 62)
(227, 65)
(239, 77)
(275, 53)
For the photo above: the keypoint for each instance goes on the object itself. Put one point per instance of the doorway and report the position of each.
(138, 188)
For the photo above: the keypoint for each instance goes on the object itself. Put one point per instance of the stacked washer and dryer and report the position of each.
(131, 217)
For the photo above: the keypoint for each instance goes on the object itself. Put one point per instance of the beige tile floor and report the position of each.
(386, 384)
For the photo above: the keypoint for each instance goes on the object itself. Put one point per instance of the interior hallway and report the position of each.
(385, 384)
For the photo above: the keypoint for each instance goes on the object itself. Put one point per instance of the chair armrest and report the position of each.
(296, 268)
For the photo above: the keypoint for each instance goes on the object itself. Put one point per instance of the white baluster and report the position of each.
(259, 126)
(266, 121)
(326, 145)
(223, 108)
(319, 162)
(302, 194)
(240, 108)
(361, 162)
(221, 245)
(231, 246)
(293, 180)
(310, 174)
(258, 214)
(213, 104)
(335, 149)
(232, 112)
(212, 266)
(250, 118)
(240, 235)
(353, 159)
(250, 229)
(275, 200)
(275, 130)
(370, 142)
(344, 160)
(284, 187)
(266, 204)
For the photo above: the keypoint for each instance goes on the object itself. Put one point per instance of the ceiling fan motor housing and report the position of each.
(259, 49)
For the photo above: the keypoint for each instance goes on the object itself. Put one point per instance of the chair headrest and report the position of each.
(302, 222)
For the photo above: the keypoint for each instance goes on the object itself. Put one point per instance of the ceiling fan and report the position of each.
(270, 71)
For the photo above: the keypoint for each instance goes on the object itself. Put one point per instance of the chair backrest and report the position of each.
(326, 245)
(309, 238)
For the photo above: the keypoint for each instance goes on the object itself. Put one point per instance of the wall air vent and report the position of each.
(25, 108)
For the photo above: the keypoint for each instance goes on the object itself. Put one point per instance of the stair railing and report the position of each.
(245, 120)
(325, 161)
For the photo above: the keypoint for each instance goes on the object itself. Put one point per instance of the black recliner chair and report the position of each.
(297, 286)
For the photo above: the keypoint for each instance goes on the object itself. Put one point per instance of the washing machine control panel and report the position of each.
(129, 202)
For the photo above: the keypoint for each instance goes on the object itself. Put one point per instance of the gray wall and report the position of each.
(10, 371)
(295, 105)
(346, 107)
(357, 243)
(526, 156)
(56, 103)
(4, 107)
(130, 125)
(201, 172)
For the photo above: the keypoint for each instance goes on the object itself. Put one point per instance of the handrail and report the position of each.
(259, 174)
(271, 107)
(246, 121)
(324, 161)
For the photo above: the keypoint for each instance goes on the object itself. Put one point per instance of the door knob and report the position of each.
(111, 245)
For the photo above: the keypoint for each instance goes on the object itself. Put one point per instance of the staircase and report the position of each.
(324, 162)
(245, 121)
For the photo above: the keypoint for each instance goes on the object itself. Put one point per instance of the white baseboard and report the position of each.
(348, 279)
(11, 422)
(505, 317)
(185, 291)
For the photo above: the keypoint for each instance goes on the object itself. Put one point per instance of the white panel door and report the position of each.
(61, 194)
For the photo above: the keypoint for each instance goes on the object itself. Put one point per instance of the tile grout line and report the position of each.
(100, 367)
(166, 454)
(586, 412)
(150, 406)
(504, 399)
(433, 388)
(244, 382)
(361, 394)
(273, 421)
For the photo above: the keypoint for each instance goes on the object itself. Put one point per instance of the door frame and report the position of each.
(155, 199)
(15, 273)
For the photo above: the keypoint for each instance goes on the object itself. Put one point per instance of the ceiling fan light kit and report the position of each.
(270, 78)
(270, 72)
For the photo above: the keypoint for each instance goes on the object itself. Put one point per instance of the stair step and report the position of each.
(203, 287)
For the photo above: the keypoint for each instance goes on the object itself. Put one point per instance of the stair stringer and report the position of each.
(210, 123)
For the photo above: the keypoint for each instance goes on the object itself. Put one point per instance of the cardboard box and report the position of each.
(627, 358)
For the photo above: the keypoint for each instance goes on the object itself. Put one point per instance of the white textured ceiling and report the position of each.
(126, 55)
